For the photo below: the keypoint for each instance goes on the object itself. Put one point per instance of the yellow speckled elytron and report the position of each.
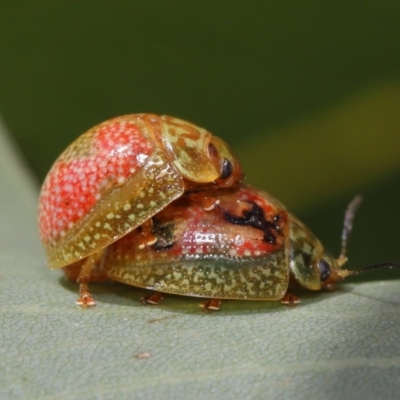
(122, 210)
(120, 173)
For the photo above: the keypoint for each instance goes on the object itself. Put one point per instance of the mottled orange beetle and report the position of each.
(119, 174)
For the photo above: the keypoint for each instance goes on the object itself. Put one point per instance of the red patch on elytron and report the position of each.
(245, 224)
(72, 187)
(119, 174)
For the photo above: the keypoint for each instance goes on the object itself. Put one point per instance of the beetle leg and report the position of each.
(211, 305)
(152, 299)
(208, 203)
(148, 239)
(290, 300)
(72, 272)
(85, 298)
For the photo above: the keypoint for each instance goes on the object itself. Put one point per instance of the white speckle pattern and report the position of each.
(100, 159)
(115, 177)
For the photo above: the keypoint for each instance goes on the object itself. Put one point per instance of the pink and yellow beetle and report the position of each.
(115, 177)
(156, 202)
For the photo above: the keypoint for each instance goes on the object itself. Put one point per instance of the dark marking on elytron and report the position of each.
(255, 217)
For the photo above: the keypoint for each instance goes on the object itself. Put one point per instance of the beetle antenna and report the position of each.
(348, 226)
(388, 264)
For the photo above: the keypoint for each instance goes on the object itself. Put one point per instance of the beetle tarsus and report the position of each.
(207, 202)
(147, 242)
(152, 299)
(148, 239)
(290, 300)
(85, 298)
(211, 305)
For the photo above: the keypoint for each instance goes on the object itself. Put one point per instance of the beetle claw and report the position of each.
(290, 300)
(211, 305)
(85, 300)
(152, 299)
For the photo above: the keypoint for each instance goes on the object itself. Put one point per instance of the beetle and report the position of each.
(248, 248)
(115, 177)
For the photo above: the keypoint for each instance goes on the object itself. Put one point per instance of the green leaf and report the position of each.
(343, 344)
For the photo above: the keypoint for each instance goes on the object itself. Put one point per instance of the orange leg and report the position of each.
(208, 203)
(72, 272)
(211, 305)
(152, 299)
(85, 298)
(290, 300)
(148, 239)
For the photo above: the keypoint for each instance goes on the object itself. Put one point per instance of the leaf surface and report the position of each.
(343, 344)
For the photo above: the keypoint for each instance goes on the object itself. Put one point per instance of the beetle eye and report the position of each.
(324, 269)
(227, 169)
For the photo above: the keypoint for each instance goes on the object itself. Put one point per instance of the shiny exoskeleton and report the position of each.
(249, 248)
(157, 202)
(120, 173)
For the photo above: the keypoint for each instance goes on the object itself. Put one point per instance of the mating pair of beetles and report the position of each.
(158, 202)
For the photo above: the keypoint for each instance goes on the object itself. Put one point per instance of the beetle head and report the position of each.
(330, 270)
(200, 157)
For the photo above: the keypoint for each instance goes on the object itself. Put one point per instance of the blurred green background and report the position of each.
(307, 93)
